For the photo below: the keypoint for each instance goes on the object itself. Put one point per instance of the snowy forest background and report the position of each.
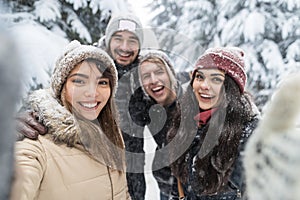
(267, 30)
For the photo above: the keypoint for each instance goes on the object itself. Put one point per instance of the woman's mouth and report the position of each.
(206, 96)
(90, 106)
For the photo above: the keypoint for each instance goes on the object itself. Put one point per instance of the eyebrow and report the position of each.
(214, 74)
(131, 37)
(159, 67)
(84, 76)
(217, 74)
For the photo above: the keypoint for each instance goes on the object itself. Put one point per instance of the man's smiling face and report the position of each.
(124, 47)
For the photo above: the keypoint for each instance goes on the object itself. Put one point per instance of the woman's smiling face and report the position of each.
(87, 90)
(207, 87)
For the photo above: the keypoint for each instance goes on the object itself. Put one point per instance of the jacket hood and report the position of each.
(60, 122)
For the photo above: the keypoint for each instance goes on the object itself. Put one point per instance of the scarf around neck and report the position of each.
(203, 116)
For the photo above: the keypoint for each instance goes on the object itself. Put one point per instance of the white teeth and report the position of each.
(205, 96)
(89, 105)
(157, 88)
(124, 55)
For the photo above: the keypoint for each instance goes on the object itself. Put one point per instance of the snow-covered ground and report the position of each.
(152, 191)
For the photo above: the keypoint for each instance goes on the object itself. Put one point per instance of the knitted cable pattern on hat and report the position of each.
(73, 54)
(228, 59)
(124, 22)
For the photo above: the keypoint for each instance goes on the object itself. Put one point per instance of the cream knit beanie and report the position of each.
(73, 54)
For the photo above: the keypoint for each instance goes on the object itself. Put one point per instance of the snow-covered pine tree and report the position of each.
(45, 26)
(84, 20)
(268, 31)
(173, 25)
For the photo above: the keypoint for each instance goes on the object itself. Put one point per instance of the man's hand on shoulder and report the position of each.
(27, 125)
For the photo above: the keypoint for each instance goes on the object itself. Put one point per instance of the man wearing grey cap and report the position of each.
(123, 40)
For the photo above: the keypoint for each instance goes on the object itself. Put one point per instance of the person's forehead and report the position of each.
(147, 66)
(210, 70)
(125, 34)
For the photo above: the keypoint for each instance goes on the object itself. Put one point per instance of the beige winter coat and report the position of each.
(45, 170)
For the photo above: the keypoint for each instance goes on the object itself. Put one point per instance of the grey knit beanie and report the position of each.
(124, 22)
(73, 54)
(152, 53)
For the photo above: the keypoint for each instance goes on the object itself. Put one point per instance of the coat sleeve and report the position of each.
(30, 165)
(128, 197)
(139, 108)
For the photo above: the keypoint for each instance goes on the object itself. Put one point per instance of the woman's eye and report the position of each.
(217, 80)
(103, 82)
(78, 81)
(199, 77)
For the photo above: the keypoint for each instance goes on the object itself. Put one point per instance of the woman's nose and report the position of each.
(91, 90)
(204, 84)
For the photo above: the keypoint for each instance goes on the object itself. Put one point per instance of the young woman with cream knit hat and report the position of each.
(82, 156)
(214, 120)
(122, 41)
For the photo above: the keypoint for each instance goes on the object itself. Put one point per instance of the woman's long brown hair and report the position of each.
(102, 137)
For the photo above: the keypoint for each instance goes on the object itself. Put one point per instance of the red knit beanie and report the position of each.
(228, 59)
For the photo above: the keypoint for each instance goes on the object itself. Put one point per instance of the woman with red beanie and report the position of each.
(215, 118)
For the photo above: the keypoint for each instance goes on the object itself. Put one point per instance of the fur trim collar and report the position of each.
(60, 122)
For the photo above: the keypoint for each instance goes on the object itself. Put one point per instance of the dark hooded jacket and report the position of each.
(159, 119)
(132, 133)
(236, 183)
(210, 164)
(145, 111)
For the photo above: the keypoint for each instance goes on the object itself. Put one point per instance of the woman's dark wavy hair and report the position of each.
(221, 134)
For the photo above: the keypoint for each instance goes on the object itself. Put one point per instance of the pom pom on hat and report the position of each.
(124, 22)
(73, 54)
(228, 59)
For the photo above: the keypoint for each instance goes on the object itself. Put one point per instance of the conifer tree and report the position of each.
(268, 31)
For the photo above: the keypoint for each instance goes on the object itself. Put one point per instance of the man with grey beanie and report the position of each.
(122, 41)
